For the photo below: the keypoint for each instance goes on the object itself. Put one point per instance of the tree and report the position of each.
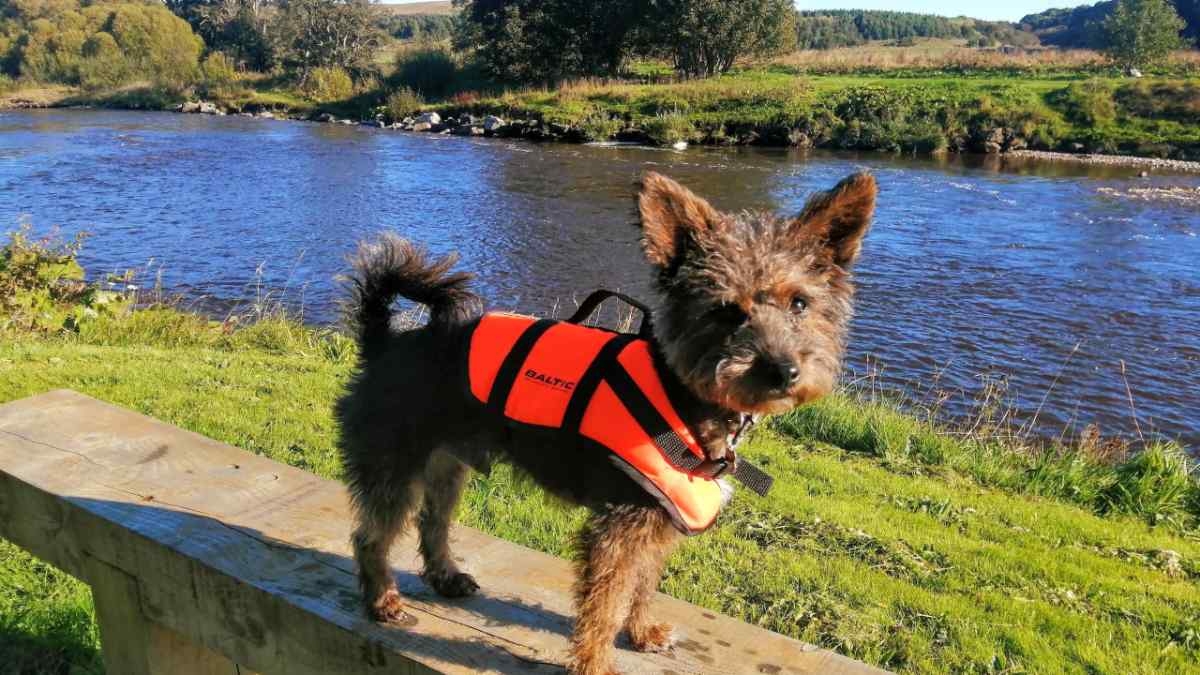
(706, 37)
(1141, 32)
(99, 45)
(550, 40)
(311, 34)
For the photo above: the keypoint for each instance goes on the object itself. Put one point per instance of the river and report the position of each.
(1036, 279)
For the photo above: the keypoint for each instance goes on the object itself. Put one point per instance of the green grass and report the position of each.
(883, 539)
(859, 102)
(924, 111)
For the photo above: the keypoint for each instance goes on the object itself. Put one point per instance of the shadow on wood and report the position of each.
(246, 561)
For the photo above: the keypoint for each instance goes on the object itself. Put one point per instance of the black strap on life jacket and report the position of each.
(606, 368)
(510, 368)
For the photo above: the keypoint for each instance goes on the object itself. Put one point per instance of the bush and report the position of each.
(669, 128)
(599, 126)
(402, 103)
(42, 287)
(220, 77)
(100, 45)
(328, 83)
(429, 71)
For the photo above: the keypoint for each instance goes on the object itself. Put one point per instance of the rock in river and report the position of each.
(491, 123)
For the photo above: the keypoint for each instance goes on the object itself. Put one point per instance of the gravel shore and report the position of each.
(1147, 163)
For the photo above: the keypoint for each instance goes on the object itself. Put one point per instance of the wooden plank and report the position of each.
(134, 645)
(250, 558)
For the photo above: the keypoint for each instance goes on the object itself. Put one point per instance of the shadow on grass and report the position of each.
(59, 652)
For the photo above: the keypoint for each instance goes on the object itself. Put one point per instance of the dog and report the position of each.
(750, 318)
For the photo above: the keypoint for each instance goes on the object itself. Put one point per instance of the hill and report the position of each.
(442, 7)
(1077, 27)
(828, 29)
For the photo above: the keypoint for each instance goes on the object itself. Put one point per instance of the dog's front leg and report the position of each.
(644, 633)
(617, 550)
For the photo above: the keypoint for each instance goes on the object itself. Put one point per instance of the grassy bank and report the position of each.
(913, 100)
(927, 112)
(887, 538)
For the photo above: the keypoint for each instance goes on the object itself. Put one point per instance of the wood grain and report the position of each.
(250, 559)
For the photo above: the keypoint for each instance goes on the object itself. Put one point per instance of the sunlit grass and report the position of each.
(885, 539)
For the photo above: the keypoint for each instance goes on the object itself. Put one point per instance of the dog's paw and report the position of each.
(579, 669)
(454, 585)
(656, 638)
(389, 609)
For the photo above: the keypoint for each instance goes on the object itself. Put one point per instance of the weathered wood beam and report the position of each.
(201, 550)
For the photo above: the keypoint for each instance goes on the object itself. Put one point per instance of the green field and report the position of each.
(885, 540)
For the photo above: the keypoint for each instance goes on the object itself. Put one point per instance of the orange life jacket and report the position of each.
(604, 386)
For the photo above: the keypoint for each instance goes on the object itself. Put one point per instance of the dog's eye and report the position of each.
(799, 304)
(730, 312)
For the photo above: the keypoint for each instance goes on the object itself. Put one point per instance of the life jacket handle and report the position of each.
(593, 302)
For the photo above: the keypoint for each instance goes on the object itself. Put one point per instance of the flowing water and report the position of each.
(1040, 278)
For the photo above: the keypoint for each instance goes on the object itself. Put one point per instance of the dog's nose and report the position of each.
(789, 373)
(781, 374)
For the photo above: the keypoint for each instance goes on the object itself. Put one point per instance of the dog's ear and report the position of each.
(670, 215)
(839, 217)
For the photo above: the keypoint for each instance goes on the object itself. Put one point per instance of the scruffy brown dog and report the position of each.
(750, 317)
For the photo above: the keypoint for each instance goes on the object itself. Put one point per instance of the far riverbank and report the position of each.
(1082, 116)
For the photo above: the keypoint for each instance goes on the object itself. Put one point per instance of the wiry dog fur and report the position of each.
(751, 317)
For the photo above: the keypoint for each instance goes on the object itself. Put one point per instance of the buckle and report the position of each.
(718, 468)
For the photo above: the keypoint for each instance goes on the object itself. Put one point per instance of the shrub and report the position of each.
(402, 103)
(328, 83)
(429, 71)
(158, 45)
(220, 77)
(669, 128)
(599, 126)
(101, 44)
(218, 69)
(42, 287)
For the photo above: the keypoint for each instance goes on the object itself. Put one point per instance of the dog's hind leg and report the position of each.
(613, 548)
(445, 477)
(384, 498)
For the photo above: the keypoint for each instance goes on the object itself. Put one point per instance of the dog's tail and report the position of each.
(392, 267)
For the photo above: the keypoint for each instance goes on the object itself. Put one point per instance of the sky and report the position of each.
(1009, 10)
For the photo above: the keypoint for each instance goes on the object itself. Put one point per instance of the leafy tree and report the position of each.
(311, 34)
(550, 40)
(98, 45)
(1141, 32)
(706, 37)
(241, 29)
(1083, 26)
